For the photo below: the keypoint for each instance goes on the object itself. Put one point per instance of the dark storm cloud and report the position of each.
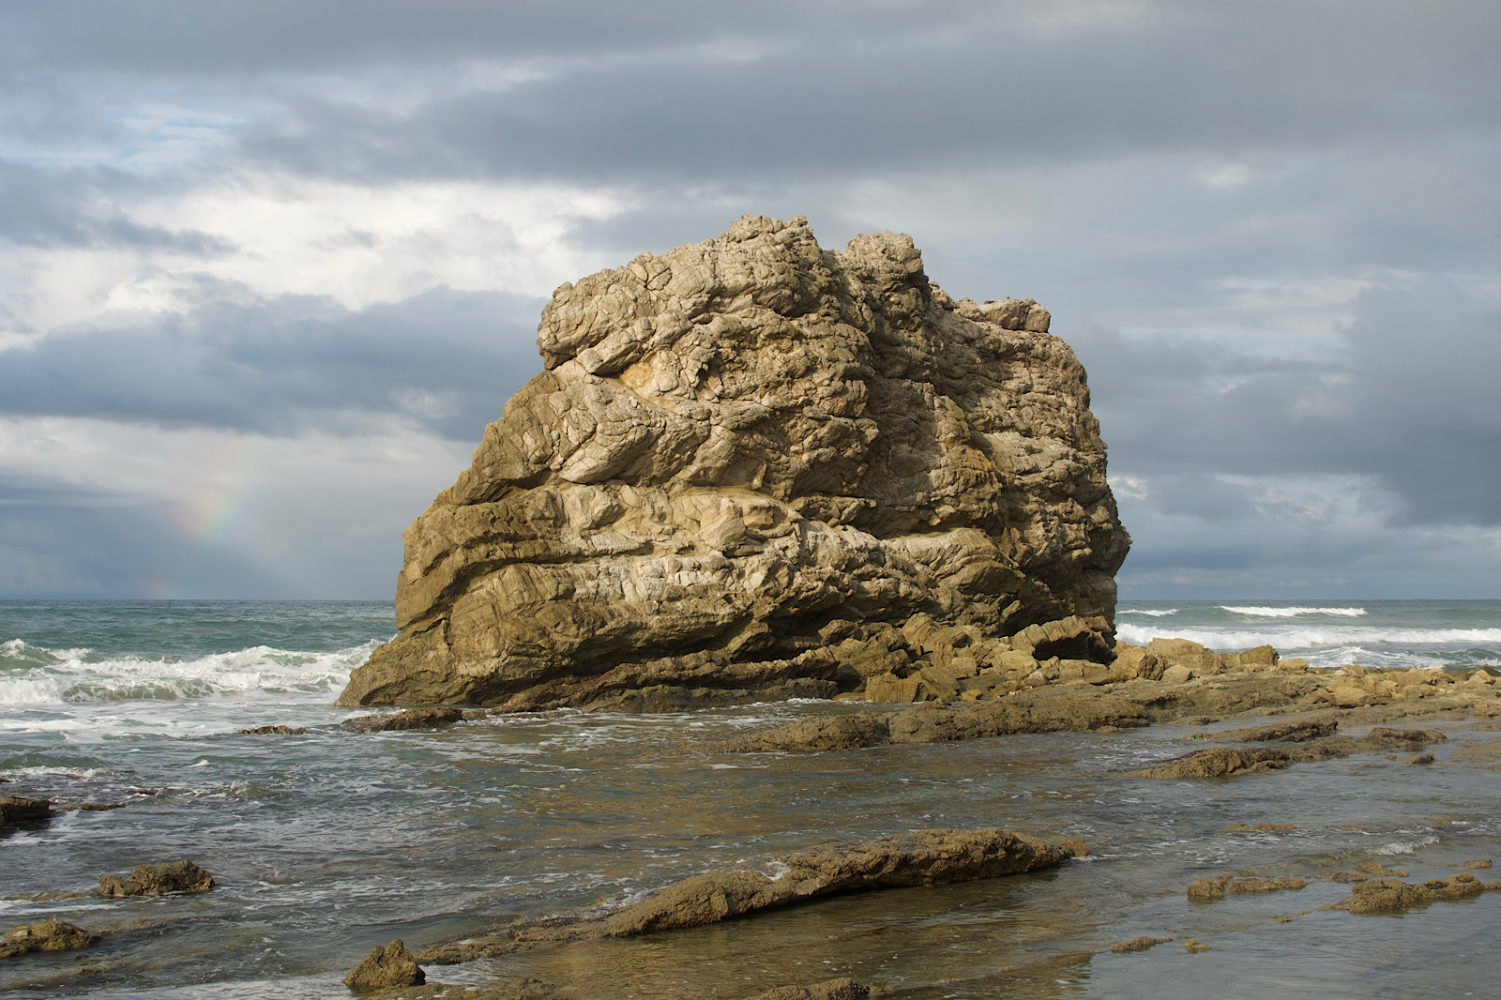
(79, 208)
(1408, 399)
(445, 360)
(642, 91)
(987, 89)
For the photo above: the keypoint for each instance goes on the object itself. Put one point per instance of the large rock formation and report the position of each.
(748, 464)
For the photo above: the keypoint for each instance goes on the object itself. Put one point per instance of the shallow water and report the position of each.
(329, 843)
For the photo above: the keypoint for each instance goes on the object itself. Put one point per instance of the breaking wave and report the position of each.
(37, 676)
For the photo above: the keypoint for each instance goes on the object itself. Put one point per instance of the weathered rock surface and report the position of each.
(385, 968)
(749, 465)
(50, 935)
(157, 880)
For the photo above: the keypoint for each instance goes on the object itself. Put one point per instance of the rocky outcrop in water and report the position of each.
(49, 935)
(157, 880)
(758, 468)
(385, 968)
(19, 812)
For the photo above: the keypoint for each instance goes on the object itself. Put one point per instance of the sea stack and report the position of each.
(754, 468)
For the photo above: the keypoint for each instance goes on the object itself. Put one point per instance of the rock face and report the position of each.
(748, 463)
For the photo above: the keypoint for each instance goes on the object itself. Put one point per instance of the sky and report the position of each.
(267, 270)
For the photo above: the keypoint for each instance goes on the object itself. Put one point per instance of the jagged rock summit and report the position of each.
(755, 468)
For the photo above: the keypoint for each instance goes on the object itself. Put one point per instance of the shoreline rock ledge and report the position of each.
(753, 469)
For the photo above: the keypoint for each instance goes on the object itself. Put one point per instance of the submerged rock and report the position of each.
(832, 989)
(1207, 890)
(1394, 896)
(1218, 762)
(748, 464)
(413, 718)
(157, 880)
(924, 857)
(1044, 710)
(1142, 943)
(1279, 732)
(50, 935)
(919, 858)
(282, 730)
(385, 968)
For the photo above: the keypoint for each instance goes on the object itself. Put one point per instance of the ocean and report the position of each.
(325, 844)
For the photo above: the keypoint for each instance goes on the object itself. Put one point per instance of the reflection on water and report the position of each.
(329, 843)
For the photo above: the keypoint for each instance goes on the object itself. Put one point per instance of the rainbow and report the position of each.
(218, 504)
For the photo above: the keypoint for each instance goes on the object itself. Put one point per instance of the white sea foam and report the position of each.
(1257, 611)
(37, 676)
(1151, 612)
(1405, 846)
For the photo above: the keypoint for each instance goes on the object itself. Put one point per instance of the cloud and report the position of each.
(1406, 399)
(442, 360)
(76, 208)
(281, 230)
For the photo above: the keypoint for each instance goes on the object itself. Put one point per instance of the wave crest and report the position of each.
(34, 675)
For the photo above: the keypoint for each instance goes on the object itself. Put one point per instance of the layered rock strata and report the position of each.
(757, 468)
